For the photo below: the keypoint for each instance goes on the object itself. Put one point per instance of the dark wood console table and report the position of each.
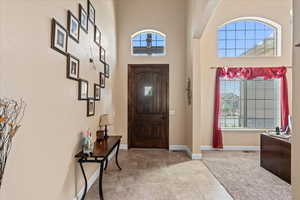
(99, 155)
(275, 156)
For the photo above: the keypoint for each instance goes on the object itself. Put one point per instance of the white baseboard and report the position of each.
(178, 148)
(91, 181)
(93, 178)
(232, 148)
(187, 150)
(196, 156)
(124, 146)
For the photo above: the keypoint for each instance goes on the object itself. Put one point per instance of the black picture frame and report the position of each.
(58, 31)
(97, 40)
(102, 53)
(83, 17)
(81, 83)
(71, 68)
(90, 107)
(91, 9)
(75, 35)
(97, 92)
(107, 70)
(102, 80)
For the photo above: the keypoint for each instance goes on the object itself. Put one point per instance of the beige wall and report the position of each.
(41, 164)
(168, 17)
(296, 106)
(189, 69)
(198, 14)
(275, 10)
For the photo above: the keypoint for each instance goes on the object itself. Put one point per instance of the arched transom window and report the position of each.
(148, 43)
(249, 37)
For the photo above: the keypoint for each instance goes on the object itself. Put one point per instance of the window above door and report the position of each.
(148, 43)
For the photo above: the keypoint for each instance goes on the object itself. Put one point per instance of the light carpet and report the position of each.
(240, 173)
(158, 175)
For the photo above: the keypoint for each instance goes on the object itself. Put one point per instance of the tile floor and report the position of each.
(158, 175)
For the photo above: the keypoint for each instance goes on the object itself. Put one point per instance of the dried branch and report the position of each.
(11, 115)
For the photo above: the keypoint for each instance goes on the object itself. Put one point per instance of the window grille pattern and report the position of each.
(148, 44)
(250, 104)
(246, 38)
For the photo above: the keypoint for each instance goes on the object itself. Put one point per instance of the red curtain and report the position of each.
(284, 98)
(217, 133)
(249, 73)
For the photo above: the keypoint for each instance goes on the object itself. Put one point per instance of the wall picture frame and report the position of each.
(59, 37)
(83, 89)
(97, 92)
(107, 70)
(97, 35)
(102, 80)
(73, 67)
(91, 12)
(90, 107)
(102, 55)
(83, 19)
(73, 27)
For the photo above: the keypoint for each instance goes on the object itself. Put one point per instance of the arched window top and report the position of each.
(148, 43)
(249, 37)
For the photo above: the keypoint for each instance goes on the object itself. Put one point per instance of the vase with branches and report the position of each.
(11, 115)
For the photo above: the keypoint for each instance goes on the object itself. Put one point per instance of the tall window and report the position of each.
(148, 43)
(249, 37)
(250, 104)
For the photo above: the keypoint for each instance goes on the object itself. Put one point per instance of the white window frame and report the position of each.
(255, 130)
(145, 31)
(277, 26)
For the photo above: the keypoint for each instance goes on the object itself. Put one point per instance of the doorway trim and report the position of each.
(130, 107)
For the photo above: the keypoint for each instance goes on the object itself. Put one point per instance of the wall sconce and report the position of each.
(189, 91)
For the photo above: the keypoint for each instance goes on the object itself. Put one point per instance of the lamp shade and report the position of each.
(105, 120)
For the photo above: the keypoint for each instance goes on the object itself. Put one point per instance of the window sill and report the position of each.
(245, 130)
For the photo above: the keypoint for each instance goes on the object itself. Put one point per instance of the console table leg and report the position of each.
(85, 181)
(100, 180)
(118, 147)
(106, 163)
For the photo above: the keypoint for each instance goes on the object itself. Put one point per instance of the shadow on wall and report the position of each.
(73, 171)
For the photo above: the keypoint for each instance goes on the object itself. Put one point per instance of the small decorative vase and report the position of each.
(87, 143)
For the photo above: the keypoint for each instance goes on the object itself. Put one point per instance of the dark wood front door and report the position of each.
(148, 106)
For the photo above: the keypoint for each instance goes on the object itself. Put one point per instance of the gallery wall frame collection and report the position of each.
(90, 107)
(83, 19)
(73, 27)
(106, 70)
(59, 38)
(73, 67)
(59, 42)
(97, 36)
(83, 89)
(91, 12)
(102, 55)
(102, 80)
(97, 92)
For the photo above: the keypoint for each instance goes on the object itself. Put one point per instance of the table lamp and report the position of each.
(105, 120)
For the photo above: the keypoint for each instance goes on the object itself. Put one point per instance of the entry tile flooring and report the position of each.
(158, 175)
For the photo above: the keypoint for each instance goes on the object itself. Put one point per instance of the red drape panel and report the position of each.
(217, 133)
(249, 73)
(284, 98)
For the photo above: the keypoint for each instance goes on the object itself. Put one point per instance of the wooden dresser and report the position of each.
(275, 156)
